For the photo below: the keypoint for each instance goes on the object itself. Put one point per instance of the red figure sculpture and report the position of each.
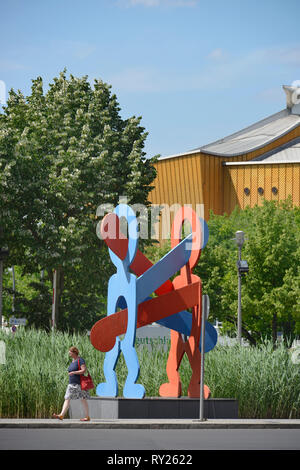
(190, 346)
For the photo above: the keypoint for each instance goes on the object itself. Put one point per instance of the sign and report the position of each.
(2, 352)
(17, 321)
(153, 337)
(296, 356)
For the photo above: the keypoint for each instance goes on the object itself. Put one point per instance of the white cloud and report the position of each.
(150, 79)
(270, 95)
(158, 3)
(285, 55)
(217, 54)
(220, 71)
(137, 79)
(10, 65)
(146, 3)
(77, 49)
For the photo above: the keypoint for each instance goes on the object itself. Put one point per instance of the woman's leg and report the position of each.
(65, 407)
(63, 411)
(86, 407)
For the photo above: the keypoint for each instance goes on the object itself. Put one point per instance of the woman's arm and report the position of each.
(80, 371)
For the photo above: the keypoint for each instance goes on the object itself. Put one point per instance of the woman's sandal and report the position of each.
(85, 419)
(57, 416)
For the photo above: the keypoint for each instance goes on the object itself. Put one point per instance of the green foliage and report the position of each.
(31, 298)
(34, 379)
(271, 289)
(63, 153)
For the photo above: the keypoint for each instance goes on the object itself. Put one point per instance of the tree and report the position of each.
(273, 252)
(62, 154)
(270, 292)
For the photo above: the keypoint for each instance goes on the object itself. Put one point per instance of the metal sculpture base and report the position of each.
(155, 408)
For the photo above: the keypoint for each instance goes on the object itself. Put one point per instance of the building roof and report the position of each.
(287, 153)
(254, 137)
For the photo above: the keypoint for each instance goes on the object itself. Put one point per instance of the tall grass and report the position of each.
(34, 378)
(33, 381)
(264, 380)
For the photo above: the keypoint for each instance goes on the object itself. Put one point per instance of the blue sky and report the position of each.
(194, 70)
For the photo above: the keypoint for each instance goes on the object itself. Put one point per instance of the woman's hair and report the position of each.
(74, 350)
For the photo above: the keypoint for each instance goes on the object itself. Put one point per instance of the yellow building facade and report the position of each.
(261, 161)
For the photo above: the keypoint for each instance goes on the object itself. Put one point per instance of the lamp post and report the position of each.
(12, 270)
(205, 314)
(242, 268)
(54, 300)
(14, 289)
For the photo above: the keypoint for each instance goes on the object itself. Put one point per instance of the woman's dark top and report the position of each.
(75, 379)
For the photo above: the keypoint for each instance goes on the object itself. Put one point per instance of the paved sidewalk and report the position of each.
(152, 423)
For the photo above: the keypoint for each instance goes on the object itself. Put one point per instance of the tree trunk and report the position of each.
(245, 333)
(58, 285)
(288, 332)
(249, 337)
(274, 329)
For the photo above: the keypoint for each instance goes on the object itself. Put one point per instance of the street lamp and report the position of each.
(12, 270)
(242, 268)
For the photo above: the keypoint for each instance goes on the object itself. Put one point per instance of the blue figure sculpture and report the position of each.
(122, 287)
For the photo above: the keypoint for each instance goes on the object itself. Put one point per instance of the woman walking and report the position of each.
(74, 392)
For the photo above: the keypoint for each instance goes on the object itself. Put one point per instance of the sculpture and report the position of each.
(167, 308)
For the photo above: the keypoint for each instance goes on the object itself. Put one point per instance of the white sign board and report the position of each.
(17, 321)
(2, 352)
(153, 336)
